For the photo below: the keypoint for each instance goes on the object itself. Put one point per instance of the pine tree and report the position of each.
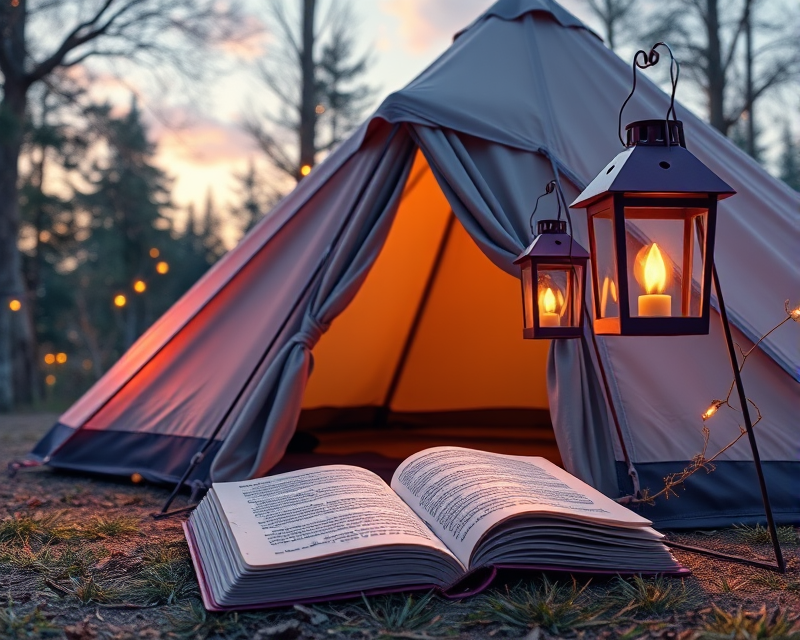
(255, 199)
(212, 231)
(127, 202)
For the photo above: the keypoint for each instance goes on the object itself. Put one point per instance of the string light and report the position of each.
(50, 380)
(61, 358)
(120, 300)
(305, 169)
(139, 286)
(15, 305)
(701, 460)
(87, 365)
(162, 267)
(49, 358)
(319, 109)
(154, 253)
(715, 405)
(136, 478)
(44, 236)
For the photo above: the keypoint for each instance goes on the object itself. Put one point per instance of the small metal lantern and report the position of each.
(553, 282)
(652, 218)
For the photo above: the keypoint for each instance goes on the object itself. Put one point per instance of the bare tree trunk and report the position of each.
(749, 99)
(716, 74)
(12, 111)
(308, 103)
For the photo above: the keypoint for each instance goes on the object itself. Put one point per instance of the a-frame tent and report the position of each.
(392, 264)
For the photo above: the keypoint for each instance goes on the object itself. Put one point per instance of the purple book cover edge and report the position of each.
(211, 605)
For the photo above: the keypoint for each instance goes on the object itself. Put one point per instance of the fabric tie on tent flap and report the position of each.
(310, 332)
(262, 429)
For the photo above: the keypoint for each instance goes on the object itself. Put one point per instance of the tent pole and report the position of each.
(737, 376)
(382, 416)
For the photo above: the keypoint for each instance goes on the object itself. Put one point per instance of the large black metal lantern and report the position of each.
(553, 283)
(652, 215)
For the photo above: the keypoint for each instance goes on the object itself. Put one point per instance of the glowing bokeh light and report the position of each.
(15, 305)
(120, 300)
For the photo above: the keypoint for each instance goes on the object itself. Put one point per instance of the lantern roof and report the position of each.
(650, 166)
(554, 242)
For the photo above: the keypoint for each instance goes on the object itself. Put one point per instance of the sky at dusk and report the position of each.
(198, 131)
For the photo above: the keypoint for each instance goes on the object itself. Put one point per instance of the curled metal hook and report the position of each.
(549, 188)
(651, 59)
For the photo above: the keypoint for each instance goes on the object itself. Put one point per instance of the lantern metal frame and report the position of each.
(629, 324)
(553, 249)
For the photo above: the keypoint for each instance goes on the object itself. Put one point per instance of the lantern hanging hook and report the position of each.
(650, 59)
(549, 188)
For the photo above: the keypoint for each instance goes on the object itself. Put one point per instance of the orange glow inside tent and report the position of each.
(434, 337)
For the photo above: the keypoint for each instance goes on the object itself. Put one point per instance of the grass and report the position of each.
(553, 606)
(87, 590)
(165, 577)
(101, 527)
(742, 625)
(192, 621)
(14, 624)
(45, 529)
(395, 613)
(652, 596)
(760, 535)
(389, 616)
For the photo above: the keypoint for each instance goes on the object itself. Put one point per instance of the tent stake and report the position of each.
(751, 436)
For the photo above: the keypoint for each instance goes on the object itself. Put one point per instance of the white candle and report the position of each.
(549, 320)
(655, 304)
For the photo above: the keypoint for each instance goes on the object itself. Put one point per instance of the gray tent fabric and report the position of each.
(258, 438)
(524, 95)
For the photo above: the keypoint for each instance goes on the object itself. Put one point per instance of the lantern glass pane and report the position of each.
(665, 263)
(604, 261)
(559, 295)
(527, 294)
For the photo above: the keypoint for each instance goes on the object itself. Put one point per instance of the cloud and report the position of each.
(189, 137)
(425, 23)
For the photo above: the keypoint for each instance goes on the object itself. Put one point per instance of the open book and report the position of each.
(450, 518)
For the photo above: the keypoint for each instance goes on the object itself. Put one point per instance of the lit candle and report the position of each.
(548, 316)
(655, 303)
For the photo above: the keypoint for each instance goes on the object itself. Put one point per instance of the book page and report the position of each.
(317, 512)
(462, 493)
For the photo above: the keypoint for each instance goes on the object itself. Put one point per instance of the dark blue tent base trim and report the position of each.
(156, 457)
(728, 495)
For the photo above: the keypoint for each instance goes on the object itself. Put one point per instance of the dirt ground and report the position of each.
(81, 558)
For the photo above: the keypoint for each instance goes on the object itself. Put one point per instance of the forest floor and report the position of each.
(82, 559)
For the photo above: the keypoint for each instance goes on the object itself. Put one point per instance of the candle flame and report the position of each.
(549, 301)
(655, 271)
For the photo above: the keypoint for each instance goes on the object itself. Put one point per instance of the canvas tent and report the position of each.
(390, 267)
